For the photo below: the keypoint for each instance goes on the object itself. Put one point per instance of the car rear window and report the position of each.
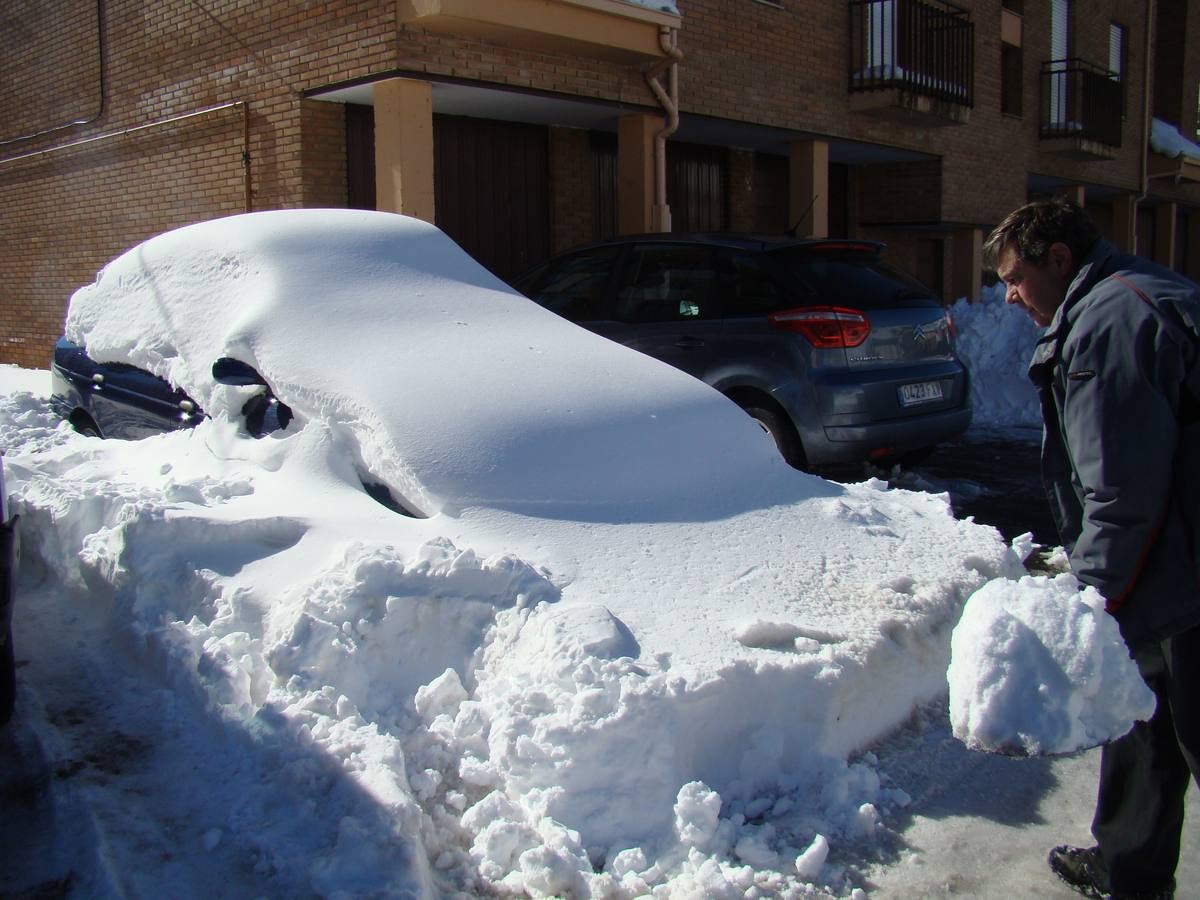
(852, 278)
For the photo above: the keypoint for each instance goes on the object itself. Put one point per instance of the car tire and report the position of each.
(781, 432)
(87, 428)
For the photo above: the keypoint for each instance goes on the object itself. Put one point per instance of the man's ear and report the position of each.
(1060, 258)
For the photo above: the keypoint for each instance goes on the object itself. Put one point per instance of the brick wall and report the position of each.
(66, 212)
(570, 188)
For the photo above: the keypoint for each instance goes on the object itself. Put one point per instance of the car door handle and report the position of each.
(690, 343)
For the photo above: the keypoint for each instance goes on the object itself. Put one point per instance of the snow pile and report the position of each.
(1166, 139)
(462, 719)
(1039, 667)
(996, 344)
(626, 651)
(668, 6)
(33, 381)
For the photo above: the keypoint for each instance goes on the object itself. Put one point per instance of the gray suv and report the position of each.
(840, 357)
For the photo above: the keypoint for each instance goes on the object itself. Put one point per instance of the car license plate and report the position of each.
(921, 392)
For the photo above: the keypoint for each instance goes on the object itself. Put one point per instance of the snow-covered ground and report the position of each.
(239, 677)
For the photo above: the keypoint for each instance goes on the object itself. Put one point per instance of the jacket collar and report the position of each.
(1095, 266)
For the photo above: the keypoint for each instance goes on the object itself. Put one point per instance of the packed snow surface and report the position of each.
(1039, 667)
(622, 650)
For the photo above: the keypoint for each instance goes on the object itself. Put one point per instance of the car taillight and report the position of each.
(826, 327)
(951, 326)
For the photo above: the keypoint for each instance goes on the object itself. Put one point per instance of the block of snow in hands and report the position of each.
(1038, 667)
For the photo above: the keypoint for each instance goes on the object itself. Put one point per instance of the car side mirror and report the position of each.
(263, 412)
(227, 370)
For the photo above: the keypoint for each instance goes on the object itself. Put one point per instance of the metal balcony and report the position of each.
(1081, 109)
(912, 59)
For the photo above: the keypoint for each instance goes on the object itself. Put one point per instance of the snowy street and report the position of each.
(111, 786)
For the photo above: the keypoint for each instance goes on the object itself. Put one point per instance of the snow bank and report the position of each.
(626, 651)
(1038, 666)
(996, 343)
(492, 726)
(662, 5)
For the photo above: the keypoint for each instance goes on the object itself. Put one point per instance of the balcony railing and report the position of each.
(926, 47)
(1081, 100)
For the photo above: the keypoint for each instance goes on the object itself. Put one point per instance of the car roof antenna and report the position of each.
(794, 231)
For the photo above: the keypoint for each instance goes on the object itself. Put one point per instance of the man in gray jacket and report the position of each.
(1118, 376)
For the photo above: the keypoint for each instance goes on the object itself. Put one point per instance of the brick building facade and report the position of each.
(522, 127)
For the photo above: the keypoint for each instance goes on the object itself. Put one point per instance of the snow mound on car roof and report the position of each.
(456, 390)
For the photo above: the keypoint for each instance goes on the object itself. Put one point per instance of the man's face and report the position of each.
(1039, 287)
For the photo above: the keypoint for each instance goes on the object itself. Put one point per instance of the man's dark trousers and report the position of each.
(1144, 775)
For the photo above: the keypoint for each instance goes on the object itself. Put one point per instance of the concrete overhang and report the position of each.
(614, 30)
(455, 97)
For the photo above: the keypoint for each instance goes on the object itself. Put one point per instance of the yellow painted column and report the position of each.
(635, 172)
(808, 197)
(966, 270)
(404, 147)
(1124, 222)
(1164, 234)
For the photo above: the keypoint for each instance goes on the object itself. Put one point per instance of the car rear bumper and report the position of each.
(880, 440)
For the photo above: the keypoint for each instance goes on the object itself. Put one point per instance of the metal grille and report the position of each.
(1080, 100)
(923, 46)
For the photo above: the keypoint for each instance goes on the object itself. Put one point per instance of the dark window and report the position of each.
(1017, 6)
(1147, 231)
(604, 185)
(851, 278)
(748, 287)
(490, 185)
(930, 264)
(573, 286)
(1116, 50)
(668, 283)
(1011, 97)
(360, 156)
(696, 187)
(770, 194)
(1116, 57)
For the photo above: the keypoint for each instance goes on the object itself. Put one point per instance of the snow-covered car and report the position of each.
(617, 644)
(8, 577)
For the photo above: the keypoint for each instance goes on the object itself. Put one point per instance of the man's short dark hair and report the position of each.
(1031, 229)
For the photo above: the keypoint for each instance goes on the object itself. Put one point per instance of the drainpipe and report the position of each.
(1147, 117)
(247, 181)
(102, 53)
(660, 213)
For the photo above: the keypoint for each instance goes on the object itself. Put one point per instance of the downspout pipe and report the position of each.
(1147, 116)
(102, 103)
(668, 98)
(247, 180)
